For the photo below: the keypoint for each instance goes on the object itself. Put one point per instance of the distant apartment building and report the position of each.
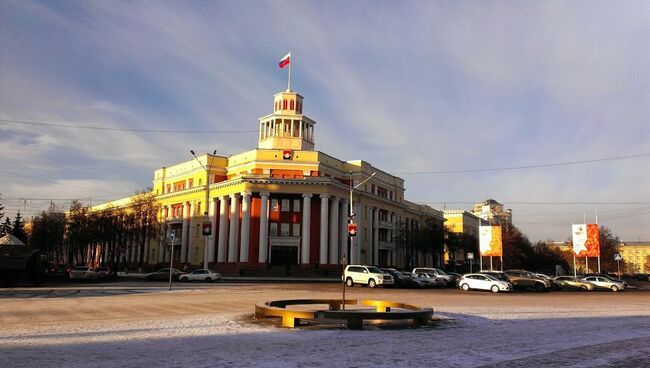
(636, 256)
(493, 212)
(461, 221)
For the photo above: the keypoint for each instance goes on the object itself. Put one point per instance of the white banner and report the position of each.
(579, 238)
(485, 239)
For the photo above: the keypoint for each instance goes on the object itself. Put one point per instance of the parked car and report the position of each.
(366, 275)
(606, 276)
(58, 271)
(103, 272)
(544, 276)
(83, 273)
(200, 275)
(399, 279)
(604, 283)
(524, 279)
(498, 274)
(432, 280)
(481, 281)
(163, 274)
(417, 281)
(572, 283)
(450, 279)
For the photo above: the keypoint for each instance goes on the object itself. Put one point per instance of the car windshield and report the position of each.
(441, 272)
(374, 270)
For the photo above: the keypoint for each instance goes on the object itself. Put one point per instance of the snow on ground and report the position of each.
(462, 337)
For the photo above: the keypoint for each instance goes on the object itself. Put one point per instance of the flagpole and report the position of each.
(573, 251)
(289, 83)
(598, 239)
(480, 253)
(584, 221)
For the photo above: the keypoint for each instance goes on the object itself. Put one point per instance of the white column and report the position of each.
(264, 228)
(357, 241)
(245, 226)
(184, 232)
(343, 230)
(190, 232)
(306, 227)
(334, 231)
(324, 228)
(234, 225)
(375, 236)
(223, 229)
(145, 258)
(213, 229)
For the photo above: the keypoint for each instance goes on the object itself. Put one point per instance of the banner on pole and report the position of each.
(490, 241)
(579, 232)
(593, 241)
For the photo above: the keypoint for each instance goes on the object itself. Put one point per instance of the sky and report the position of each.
(416, 88)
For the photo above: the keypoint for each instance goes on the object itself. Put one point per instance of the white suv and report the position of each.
(366, 275)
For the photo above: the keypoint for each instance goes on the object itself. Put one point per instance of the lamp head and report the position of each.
(192, 152)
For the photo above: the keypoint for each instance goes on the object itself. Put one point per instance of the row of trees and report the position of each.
(15, 227)
(98, 238)
(432, 238)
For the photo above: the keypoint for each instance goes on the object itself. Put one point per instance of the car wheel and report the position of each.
(539, 287)
(371, 283)
(208, 279)
(349, 282)
(149, 277)
(495, 289)
(464, 287)
(583, 288)
(614, 288)
(184, 279)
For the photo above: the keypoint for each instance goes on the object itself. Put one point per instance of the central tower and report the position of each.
(287, 127)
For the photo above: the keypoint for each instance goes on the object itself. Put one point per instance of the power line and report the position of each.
(532, 166)
(54, 182)
(59, 125)
(542, 203)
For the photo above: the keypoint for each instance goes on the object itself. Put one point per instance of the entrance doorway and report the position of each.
(281, 255)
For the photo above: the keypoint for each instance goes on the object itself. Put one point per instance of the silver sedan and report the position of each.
(604, 283)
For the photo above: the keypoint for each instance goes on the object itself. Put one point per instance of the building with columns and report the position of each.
(282, 203)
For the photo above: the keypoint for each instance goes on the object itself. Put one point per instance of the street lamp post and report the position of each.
(171, 259)
(206, 205)
(351, 221)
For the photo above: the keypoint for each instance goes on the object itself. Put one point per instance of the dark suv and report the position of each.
(522, 279)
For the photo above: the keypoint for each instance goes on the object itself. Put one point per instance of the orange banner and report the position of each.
(593, 241)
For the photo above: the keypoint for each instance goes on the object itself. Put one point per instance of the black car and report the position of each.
(401, 280)
(163, 274)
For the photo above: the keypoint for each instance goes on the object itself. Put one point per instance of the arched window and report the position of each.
(276, 106)
(284, 105)
(291, 105)
(299, 107)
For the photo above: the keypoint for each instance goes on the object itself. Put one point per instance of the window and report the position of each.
(296, 205)
(169, 188)
(284, 229)
(273, 229)
(190, 183)
(284, 104)
(296, 229)
(197, 230)
(198, 208)
(285, 205)
(200, 180)
(274, 205)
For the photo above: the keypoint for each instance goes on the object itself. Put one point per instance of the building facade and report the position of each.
(282, 203)
(636, 256)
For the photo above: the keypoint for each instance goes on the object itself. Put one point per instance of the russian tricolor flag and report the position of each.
(286, 60)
